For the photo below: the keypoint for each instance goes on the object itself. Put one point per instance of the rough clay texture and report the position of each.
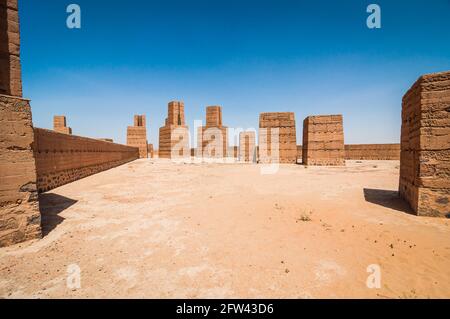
(19, 211)
(137, 135)
(277, 138)
(425, 146)
(372, 152)
(212, 139)
(247, 150)
(62, 158)
(368, 152)
(150, 150)
(323, 140)
(60, 125)
(10, 69)
(174, 135)
(299, 153)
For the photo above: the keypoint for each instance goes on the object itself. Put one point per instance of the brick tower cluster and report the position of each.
(212, 139)
(20, 218)
(137, 135)
(60, 125)
(174, 135)
(277, 138)
(425, 146)
(323, 140)
(247, 146)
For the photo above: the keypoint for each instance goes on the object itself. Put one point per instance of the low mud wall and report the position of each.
(62, 158)
(372, 152)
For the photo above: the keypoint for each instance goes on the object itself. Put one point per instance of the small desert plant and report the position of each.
(305, 218)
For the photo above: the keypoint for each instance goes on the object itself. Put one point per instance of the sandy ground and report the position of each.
(155, 229)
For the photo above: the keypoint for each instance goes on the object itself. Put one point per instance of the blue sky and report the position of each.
(308, 57)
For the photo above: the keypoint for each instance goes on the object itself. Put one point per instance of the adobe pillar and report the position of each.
(137, 135)
(174, 135)
(213, 137)
(20, 218)
(425, 146)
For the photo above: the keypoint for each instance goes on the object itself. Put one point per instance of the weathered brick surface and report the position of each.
(62, 158)
(425, 145)
(277, 138)
(372, 152)
(323, 140)
(174, 136)
(299, 152)
(60, 124)
(212, 139)
(19, 209)
(247, 146)
(137, 135)
(10, 69)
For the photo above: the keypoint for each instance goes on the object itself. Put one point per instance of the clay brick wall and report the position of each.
(247, 146)
(299, 152)
(175, 114)
(372, 152)
(60, 125)
(174, 135)
(20, 219)
(137, 135)
(10, 69)
(277, 138)
(212, 139)
(62, 158)
(425, 146)
(323, 140)
(19, 210)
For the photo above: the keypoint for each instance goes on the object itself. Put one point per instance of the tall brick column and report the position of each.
(10, 70)
(323, 140)
(137, 135)
(60, 125)
(277, 138)
(174, 135)
(425, 146)
(20, 218)
(212, 139)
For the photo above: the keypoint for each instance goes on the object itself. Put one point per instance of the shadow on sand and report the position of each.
(388, 199)
(51, 205)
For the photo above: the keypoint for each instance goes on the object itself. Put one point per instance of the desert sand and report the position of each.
(155, 229)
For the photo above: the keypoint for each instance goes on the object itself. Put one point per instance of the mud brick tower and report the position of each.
(277, 138)
(247, 146)
(323, 140)
(212, 139)
(425, 146)
(137, 135)
(60, 125)
(20, 218)
(174, 135)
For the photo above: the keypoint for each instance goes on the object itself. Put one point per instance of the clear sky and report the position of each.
(308, 57)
